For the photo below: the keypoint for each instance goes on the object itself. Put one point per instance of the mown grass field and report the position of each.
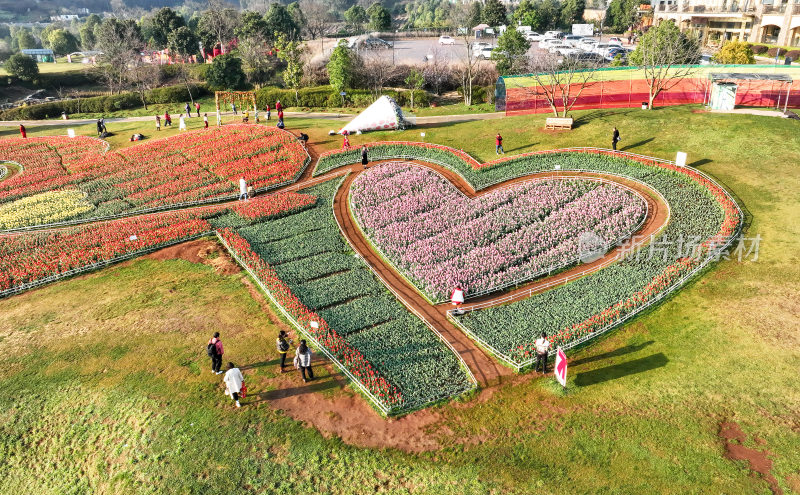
(104, 385)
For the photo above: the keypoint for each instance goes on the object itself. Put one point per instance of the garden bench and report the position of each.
(558, 123)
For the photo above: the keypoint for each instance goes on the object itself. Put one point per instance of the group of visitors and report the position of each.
(235, 386)
(245, 116)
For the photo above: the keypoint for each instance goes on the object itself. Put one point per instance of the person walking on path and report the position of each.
(188, 110)
(278, 106)
(205, 120)
(614, 139)
(233, 108)
(167, 119)
(282, 343)
(268, 112)
(158, 122)
(22, 131)
(542, 347)
(364, 157)
(498, 144)
(181, 123)
(197, 107)
(242, 189)
(302, 360)
(219, 119)
(234, 382)
(215, 351)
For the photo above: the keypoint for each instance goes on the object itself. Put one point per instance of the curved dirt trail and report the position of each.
(487, 370)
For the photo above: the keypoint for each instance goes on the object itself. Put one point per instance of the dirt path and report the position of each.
(732, 435)
(487, 370)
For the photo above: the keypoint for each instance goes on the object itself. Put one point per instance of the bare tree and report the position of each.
(437, 71)
(120, 42)
(253, 52)
(219, 20)
(377, 70)
(462, 22)
(144, 77)
(318, 16)
(666, 56)
(563, 81)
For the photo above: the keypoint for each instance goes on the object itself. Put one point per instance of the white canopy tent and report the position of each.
(384, 114)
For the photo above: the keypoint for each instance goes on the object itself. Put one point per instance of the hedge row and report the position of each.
(326, 96)
(100, 104)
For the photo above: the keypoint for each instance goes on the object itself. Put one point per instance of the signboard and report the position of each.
(583, 29)
(71, 133)
(561, 367)
(680, 159)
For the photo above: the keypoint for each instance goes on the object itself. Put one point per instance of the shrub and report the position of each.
(22, 66)
(759, 49)
(735, 52)
(793, 54)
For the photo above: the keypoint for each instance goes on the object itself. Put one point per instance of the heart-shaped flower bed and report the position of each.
(440, 239)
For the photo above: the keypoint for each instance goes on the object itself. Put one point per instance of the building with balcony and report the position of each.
(716, 21)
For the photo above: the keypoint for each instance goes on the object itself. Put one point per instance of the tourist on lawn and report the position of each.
(22, 131)
(197, 107)
(205, 120)
(269, 113)
(181, 123)
(167, 119)
(219, 119)
(99, 128)
(282, 343)
(542, 347)
(158, 122)
(614, 139)
(188, 110)
(242, 189)
(302, 360)
(498, 144)
(364, 157)
(234, 383)
(103, 124)
(280, 123)
(245, 116)
(303, 139)
(279, 107)
(280, 114)
(215, 351)
(345, 141)
(233, 108)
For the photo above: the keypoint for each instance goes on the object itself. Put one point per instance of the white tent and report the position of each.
(383, 114)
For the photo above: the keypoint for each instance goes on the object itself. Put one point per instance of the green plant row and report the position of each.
(308, 253)
(326, 96)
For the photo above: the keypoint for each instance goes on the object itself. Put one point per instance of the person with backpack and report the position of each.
(302, 360)
(215, 351)
(282, 343)
(542, 348)
(234, 383)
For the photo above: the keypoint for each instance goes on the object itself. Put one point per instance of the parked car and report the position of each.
(546, 43)
(554, 34)
(572, 39)
(477, 46)
(612, 53)
(615, 41)
(446, 40)
(558, 47)
(534, 36)
(377, 43)
(586, 58)
(484, 53)
(601, 48)
(587, 44)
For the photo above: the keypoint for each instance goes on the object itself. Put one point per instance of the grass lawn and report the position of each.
(105, 389)
(53, 68)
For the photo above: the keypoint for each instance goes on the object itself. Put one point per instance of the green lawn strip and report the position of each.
(353, 297)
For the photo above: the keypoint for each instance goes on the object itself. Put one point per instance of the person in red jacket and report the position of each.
(498, 144)
(22, 131)
(268, 112)
(278, 106)
(215, 351)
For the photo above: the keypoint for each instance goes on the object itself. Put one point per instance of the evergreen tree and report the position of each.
(494, 13)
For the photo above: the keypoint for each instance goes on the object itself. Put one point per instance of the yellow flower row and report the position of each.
(49, 207)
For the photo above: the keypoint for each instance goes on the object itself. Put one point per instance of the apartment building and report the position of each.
(716, 21)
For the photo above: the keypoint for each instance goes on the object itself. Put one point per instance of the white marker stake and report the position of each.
(680, 159)
(71, 133)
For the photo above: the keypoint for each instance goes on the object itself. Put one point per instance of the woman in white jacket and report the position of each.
(302, 360)
(233, 382)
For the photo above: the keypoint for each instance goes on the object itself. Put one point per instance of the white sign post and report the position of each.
(680, 159)
(71, 133)
(561, 367)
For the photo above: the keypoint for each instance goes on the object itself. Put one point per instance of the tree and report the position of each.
(225, 73)
(298, 17)
(279, 20)
(550, 10)
(735, 52)
(665, 55)
(527, 14)
(572, 12)
(340, 67)
(291, 52)
(356, 17)
(494, 13)
(414, 81)
(22, 66)
(474, 15)
(62, 42)
(183, 42)
(121, 42)
(219, 21)
(252, 24)
(462, 20)
(163, 22)
(379, 18)
(25, 40)
(257, 66)
(317, 17)
(377, 70)
(437, 71)
(511, 55)
(144, 77)
(621, 15)
(561, 82)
